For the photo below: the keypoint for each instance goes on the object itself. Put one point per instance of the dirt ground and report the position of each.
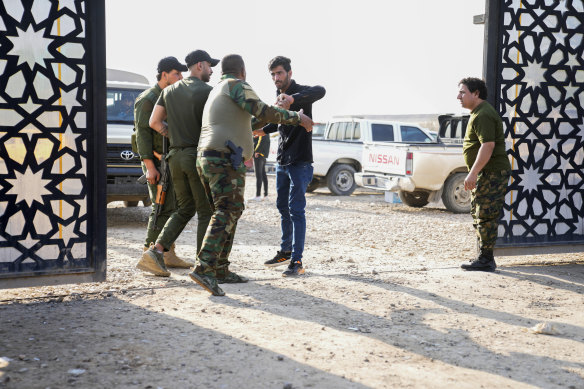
(383, 305)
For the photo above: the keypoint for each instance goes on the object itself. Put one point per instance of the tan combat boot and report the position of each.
(153, 262)
(171, 260)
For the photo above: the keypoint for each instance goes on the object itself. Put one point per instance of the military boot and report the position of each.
(152, 261)
(207, 281)
(229, 277)
(172, 260)
(484, 262)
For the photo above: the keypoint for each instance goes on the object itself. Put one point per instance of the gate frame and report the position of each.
(491, 69)
(96, 164)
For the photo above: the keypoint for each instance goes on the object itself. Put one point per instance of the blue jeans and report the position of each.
(291, 183)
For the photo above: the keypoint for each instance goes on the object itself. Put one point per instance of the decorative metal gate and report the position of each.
(535, 62)
(52, 142)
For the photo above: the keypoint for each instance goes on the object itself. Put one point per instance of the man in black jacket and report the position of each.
(294, 170)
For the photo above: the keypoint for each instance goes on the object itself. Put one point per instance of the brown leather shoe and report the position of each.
(172, 260)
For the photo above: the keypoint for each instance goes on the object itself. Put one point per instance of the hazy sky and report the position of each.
(372, 56)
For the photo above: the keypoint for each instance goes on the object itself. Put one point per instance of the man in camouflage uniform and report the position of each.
(149, 141)
(225, 143)
(181, 105)
(489, 169)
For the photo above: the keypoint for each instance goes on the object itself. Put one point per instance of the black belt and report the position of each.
(214, 153)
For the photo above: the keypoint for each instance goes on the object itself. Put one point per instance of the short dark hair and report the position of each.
(280, 61)
(473, 84)
(232, 64)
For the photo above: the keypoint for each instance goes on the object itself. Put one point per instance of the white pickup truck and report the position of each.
(123, 164)
(338, 154)
(420, 173)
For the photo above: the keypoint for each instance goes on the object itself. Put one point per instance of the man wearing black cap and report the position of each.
(178, 115)
(149, 141)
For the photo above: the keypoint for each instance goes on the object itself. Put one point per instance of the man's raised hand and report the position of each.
(305, 121)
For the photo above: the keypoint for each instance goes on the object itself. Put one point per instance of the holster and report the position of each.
(236, 156)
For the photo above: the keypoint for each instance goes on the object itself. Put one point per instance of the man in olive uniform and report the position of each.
(181, 105)
(489, 169)
(149, 141)
(226, 142)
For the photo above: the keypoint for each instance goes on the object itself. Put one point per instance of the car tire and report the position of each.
(455, 198)
(130, 203)
(314, 185)
(415, 199)
(341, 180)
(147, 202)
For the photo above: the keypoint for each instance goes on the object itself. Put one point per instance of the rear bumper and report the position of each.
(385, 183)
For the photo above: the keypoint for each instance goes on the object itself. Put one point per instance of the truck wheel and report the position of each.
(130, 203)
(341, 180)
(314, 185)
(455, 198)
(414, 199)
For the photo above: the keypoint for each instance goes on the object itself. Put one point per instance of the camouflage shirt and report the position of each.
(147, 139)
(228, 116)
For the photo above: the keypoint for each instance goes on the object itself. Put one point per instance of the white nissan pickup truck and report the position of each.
(420, 173)
(338, 154)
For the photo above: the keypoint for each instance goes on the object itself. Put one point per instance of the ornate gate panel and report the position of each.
(536, 66)
(52, 142)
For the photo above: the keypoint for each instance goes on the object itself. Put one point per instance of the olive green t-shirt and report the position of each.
(485, 125)
(184, 102)
(147, 140)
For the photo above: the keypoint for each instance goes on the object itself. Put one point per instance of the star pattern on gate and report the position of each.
(43, 135)
(540, 86)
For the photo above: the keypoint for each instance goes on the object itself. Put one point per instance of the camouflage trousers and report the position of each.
(224, 187)
(487, 201)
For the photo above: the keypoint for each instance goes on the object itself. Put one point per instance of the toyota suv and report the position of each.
(123, 163)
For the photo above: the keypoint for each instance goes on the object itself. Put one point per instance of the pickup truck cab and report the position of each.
(338, 154)
(422, 172)
(123, 164)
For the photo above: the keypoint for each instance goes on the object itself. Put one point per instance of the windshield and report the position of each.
(120, 105)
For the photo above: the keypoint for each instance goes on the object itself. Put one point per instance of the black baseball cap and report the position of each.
(168, 64)
(199, 56)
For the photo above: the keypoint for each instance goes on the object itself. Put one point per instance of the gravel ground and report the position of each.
(383, 305)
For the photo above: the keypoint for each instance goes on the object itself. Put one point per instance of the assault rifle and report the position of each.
(163, 182)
